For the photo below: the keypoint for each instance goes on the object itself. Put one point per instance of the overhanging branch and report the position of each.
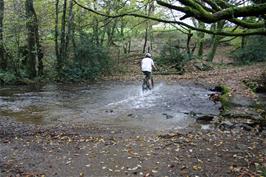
(220, 11)
(222, 33)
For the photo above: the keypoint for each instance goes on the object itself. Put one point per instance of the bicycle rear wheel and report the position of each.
(146, 85)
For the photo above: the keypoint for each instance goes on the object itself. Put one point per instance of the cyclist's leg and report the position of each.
(145, 81)
(149, 80)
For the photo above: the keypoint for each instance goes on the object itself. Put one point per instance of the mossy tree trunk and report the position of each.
(56, 30)
(148, 38)
(200, 37)
(200, 40)
(69, 33)
(35, 55)
(62, 48)
(215, 41)
(3, 62)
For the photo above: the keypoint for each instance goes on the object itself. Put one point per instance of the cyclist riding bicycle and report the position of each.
(147, 65)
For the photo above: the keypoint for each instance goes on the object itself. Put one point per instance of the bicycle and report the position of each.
(146, 85)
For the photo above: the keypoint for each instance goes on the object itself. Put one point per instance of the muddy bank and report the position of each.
(97, 150)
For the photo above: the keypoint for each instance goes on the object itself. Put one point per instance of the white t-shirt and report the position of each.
(146, 64)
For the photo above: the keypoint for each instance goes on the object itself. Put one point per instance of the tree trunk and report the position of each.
(189, 35)
(243, 41)
(111, 32)
(96, 31)
(3, 62)
(145, 40)
(39, 54)
(129, 46)
(73, 40)
(35, 55)
(96, 27)
(31, 58)
(102, 36)
(69, 27)
(200, 37)
(56, 30)
(103, 32)
(62, 48)
(215, 42)
(122, 35)
(200, 40)
(148, 31)
(150, 35)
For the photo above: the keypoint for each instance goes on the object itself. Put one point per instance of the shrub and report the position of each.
(225, 97)
(91, 61)
(174, 56)
(7, 77)
(253, 51)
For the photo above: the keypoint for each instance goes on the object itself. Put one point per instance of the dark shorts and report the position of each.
(147, 74)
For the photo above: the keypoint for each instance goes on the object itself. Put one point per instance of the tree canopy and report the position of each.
(249, 15)
(85, 38)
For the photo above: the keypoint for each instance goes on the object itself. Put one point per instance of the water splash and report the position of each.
(120, 103)
(139, 99)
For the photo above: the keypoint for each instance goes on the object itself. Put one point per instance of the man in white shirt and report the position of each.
(147, 65)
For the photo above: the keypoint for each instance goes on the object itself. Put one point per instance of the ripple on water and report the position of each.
(120, 103)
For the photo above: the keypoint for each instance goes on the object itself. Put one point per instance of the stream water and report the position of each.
(167, 106)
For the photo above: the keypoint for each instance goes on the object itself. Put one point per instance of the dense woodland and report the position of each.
(73, 40)
(63, 112)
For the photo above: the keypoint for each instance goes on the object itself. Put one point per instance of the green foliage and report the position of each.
(224, 89)
(253, 51)
(253, 85)
(76, 72)
(91, 61)
(257, 86)
(225, 97)
(263, 172)
(261, 169)
(172, 55)
(7, 77)
(163, 34)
